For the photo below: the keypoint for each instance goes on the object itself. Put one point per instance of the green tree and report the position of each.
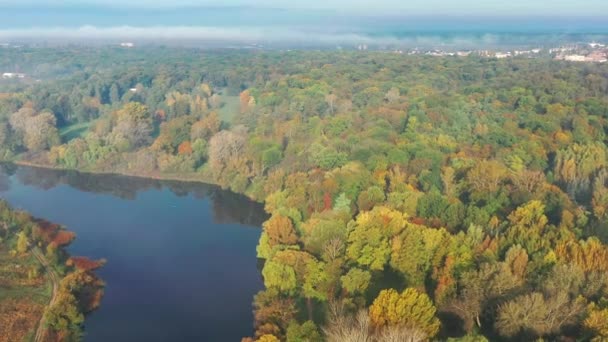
(305, 332)
(356, 280)
(368, 240)
(280, 276)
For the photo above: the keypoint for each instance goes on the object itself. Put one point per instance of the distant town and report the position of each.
(588, 52)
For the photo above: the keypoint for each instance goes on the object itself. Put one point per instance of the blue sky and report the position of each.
(389, 22)
(401, 7)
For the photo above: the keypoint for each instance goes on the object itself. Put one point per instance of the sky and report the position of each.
(402, 7)
(332, 22)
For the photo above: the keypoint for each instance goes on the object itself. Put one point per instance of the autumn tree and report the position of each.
(414, 250)
(280, 230)
(410, 309)
(535, 315)
(206, 127)
(132, 128)
(38, 131)
(22, 242)
(369, 236)
(486, 176)
(226, 148)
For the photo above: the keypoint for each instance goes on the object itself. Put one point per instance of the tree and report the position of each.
(534, 315)
(280, 276)
(305, 332)
(280, 230)
(410, 309)
(206, 127)
(413, 252)
(342, 203)
(224, 149)
(368, 240)
(486, 176)
(316, 283)
(447, 180)
(528, 223)
(596, 323)
(64, 317)
(318, 232)
(268, 338)
(22, 243)
(38, 131)
(345, 328)
(272, 311)
(133, 127)
(478, 287)
(575, 164)
(370, 197)
(356, 281)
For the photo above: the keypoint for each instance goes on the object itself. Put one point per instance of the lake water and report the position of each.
(181, 260)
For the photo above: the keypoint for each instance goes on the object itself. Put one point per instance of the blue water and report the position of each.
(181, 261)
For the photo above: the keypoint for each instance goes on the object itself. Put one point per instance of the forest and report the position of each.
(410, 198)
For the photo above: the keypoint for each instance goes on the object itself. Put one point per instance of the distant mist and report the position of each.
(281, 36)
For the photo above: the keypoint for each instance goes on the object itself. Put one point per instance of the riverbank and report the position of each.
(203, 229)
(45, 314)
(198, 178)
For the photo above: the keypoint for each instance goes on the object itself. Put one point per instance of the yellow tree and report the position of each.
(22, 242)
(410, 309)
(280, 231)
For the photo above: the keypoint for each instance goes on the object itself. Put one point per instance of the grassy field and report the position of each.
(22, 297)
(74, 131)
(230, 107)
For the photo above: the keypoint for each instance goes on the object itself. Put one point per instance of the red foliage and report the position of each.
(327, 201)
(418, 220)
(84, 263)
(185, 148)
(435, 223)
(161, 115)
(46, 230)
(244, 99)
(51, 233)
(63, 237)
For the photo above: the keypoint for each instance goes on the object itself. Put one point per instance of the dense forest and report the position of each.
(411, 198)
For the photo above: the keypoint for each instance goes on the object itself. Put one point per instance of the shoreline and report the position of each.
(159, 177)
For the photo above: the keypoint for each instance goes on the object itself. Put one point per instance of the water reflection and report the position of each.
(181, 256)
(227, 206)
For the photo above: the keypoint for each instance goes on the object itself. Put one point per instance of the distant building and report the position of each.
(595, 45)
(597, 57)
(575, 58)
(8, 75)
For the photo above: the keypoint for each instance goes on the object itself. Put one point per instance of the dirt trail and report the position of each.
(41, 331)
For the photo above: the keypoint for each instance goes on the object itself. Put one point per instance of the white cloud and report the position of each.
(164, 33)
(179, 34)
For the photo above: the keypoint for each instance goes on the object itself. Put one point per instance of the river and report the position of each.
(181, 260)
